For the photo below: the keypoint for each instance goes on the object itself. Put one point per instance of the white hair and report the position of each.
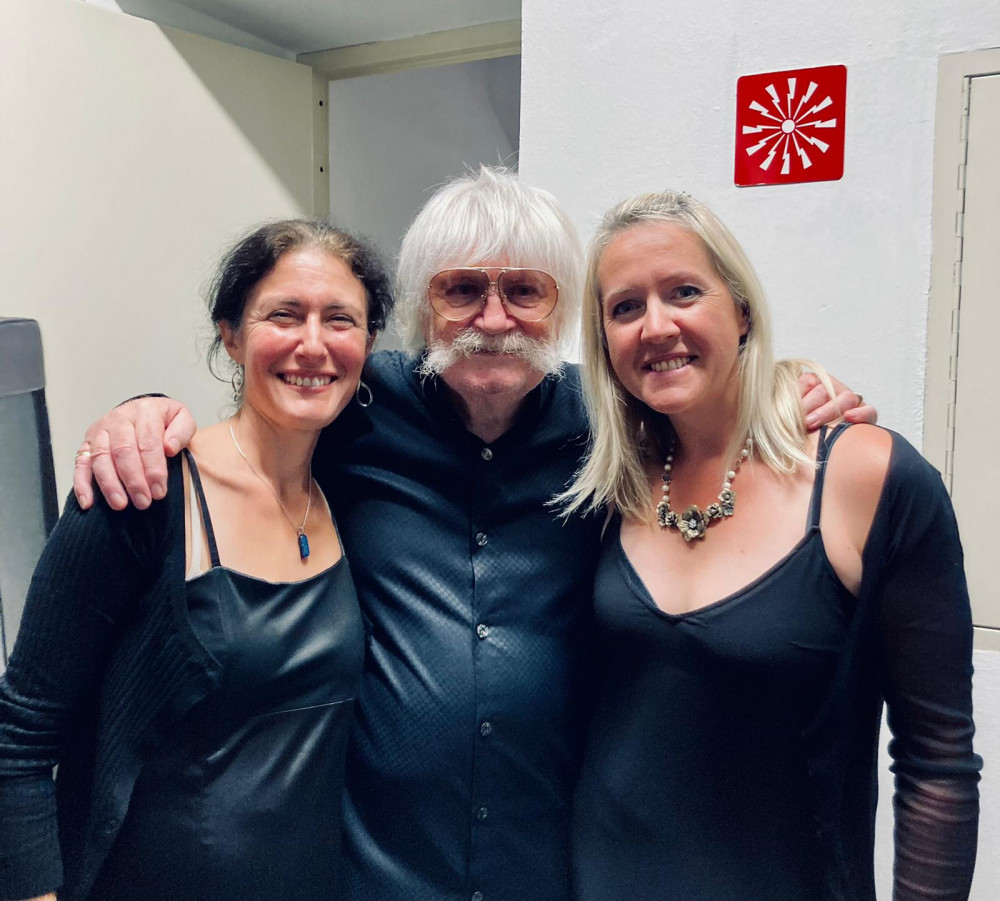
(486, 215)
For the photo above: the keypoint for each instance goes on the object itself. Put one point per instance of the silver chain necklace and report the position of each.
(300, 530)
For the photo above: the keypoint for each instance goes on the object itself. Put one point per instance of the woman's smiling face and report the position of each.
(672, 327)
(303, 339)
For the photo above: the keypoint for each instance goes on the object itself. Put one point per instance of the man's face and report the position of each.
(483, 375)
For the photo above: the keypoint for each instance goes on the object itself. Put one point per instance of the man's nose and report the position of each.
(494, 316)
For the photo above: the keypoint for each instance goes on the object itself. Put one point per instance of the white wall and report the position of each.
(618, 98)
(395, 137)
(131, 154)
(640, 95)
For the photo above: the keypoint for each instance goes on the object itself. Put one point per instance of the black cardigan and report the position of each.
(105, 663)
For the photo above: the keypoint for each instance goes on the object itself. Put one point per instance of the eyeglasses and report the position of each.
(528, 295)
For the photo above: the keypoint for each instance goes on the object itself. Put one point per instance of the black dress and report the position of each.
(245, 801)
(706, 778)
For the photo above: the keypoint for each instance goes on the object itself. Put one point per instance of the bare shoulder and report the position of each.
(855, 476)
(212, 449)
(860, 459)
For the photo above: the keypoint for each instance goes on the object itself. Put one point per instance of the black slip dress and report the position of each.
(695, 784)
(244, 802)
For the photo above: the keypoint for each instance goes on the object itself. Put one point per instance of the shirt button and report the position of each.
(477, 896)
(486, 728)
(481, 539)
(482, 630)
(487, 455)
(482, 813)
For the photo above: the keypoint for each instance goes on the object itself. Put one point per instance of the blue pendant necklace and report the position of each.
(300, 530)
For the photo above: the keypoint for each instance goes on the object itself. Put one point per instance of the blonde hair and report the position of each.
(624, 431)
(486, 215)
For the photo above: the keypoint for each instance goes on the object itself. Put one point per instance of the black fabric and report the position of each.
(467, 740)
(732, 754)
(213, 721)
(105, 660)
(206, 517)
(244, 801)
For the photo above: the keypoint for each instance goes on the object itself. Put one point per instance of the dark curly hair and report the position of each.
(256, 254)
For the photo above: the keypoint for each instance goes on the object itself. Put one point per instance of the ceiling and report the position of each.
(302, 26)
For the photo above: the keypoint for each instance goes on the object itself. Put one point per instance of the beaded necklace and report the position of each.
(694, 522)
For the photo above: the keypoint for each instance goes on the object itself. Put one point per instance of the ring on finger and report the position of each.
(83, 453)
(861, 399)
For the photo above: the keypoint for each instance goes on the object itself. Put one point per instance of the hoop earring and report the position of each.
(237, 382)
(368, 394)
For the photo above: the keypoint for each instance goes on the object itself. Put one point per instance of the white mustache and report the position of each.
(439, 356)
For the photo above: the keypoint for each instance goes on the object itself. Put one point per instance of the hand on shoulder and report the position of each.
(126, 452)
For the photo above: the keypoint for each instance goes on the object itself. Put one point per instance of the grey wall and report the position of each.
(395, 137)
(131, 155)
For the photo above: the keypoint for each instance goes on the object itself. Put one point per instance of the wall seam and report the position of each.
(956, 313)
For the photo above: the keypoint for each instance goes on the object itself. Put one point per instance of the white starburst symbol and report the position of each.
(795, 127)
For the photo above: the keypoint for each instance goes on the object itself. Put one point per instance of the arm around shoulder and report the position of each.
(126, 451)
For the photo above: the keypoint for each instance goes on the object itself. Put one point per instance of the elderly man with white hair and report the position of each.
(468, 730)
(480, 664)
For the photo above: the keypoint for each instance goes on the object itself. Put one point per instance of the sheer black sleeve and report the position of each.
(925, 648)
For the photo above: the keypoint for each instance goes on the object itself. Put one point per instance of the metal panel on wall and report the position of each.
(28, 508)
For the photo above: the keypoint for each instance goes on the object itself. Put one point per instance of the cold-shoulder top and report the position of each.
(732, 753)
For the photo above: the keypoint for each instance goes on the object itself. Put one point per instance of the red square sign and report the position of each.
(790, 126)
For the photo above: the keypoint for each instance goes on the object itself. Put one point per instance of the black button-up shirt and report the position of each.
(479, 667)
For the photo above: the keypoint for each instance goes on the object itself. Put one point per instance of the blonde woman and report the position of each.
(760, 591)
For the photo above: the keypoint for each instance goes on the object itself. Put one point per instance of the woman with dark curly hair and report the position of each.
(191, 668)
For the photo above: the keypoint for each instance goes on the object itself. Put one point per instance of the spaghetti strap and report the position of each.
(209, 531)
(826, 442)
(194, 565)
